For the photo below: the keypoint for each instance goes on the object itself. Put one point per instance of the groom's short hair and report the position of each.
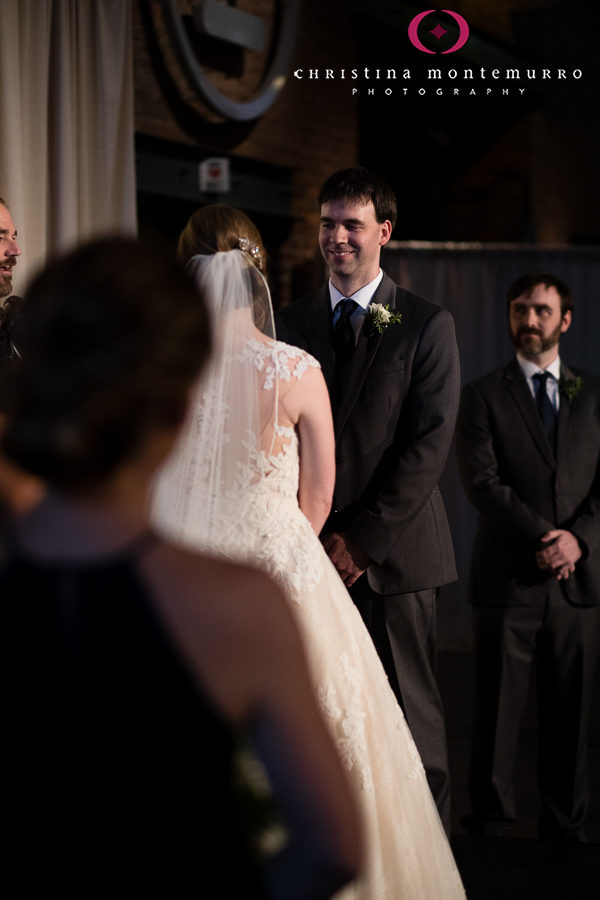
(361, 185)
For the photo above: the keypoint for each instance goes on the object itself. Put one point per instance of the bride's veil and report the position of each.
(201, 492)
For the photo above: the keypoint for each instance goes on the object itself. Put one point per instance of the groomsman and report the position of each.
(390, 361)
(9, 251)
(529, 452)
(18, 491)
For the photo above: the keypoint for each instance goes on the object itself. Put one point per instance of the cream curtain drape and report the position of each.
(67, 167)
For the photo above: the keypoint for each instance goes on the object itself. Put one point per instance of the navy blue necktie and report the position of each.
(544, 405)
(343, 332)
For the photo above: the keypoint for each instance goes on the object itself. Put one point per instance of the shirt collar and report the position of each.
(529, 368)
(362, 296)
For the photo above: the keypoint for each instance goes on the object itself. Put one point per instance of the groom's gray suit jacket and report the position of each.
(393, 424)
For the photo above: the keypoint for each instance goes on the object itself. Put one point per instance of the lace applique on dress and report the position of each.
(349, 717)
(408, 856)
(269, 476)
(274, 360)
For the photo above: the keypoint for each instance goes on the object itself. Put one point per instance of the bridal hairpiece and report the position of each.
(247, 246)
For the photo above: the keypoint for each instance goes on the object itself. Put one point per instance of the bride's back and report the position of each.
(283, 391)
(262, 406)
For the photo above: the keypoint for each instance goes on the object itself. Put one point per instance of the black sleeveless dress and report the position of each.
(117, 771)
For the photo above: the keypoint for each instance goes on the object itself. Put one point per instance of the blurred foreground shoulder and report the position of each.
(231, 621)
(239, 637)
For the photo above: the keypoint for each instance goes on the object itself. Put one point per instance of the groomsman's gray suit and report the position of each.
(523, 488)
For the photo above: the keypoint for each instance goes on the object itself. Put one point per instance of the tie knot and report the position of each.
(541, 378)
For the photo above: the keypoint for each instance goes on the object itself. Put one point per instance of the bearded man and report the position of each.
(9, 306)
(9, 251)
(528, 440)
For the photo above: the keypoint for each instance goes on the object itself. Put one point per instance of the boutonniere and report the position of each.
(380, 317)
(569, 387)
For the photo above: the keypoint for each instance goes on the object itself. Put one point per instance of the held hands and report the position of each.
(560, 554)
(349, 560)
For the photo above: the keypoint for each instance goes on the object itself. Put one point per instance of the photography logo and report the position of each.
(438, 31)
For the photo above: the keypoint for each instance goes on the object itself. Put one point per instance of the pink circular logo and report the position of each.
(438, 31)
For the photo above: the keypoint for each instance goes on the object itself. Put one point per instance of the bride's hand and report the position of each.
(349, 560)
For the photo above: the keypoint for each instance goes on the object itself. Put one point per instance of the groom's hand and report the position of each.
(349, 560)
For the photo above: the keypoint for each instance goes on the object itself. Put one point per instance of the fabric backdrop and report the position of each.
(67, 166)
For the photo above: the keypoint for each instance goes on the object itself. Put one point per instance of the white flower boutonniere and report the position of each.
(380, 317)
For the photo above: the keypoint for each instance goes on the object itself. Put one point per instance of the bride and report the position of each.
(252, 477)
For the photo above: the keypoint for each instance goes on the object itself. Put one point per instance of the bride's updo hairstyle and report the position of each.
(219, 227)
(114, 334)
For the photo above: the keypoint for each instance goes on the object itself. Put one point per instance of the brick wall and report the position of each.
(310, 130)
(532, 175)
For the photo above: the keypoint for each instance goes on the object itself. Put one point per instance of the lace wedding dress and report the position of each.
(258, 520)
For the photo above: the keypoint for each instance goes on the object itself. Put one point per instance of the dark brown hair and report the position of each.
(219, 227)
(112, 337)
(361, 186)
(526, 283)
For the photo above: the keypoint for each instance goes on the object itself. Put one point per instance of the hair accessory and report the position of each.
(246, 244)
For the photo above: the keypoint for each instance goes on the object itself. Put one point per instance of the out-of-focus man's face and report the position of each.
(537, 322)
(9, 251)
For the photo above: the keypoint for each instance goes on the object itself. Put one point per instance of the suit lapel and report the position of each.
(360, 362)
(521, 394)
(354, 374)
(565, 416)
(320, 333)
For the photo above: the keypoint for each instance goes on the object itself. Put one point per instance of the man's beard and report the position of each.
(529, 350)
(5, 286)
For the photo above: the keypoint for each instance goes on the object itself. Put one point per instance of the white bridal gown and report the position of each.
(408, 855)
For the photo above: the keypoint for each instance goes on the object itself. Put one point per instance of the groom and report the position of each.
(390, 361)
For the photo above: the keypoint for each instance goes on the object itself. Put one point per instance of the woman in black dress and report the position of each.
(129, 666)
